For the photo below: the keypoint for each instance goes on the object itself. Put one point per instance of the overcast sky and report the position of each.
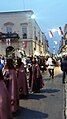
(49, 14)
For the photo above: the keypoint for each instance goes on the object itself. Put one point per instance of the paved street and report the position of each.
(48, 104)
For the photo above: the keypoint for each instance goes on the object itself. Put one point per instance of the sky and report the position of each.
(49, 14)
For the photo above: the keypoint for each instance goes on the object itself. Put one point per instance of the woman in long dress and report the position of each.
(5, 111)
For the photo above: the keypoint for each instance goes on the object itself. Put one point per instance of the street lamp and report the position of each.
(33, 16)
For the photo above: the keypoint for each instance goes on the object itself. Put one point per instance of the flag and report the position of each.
(50, 34)
(60, 31)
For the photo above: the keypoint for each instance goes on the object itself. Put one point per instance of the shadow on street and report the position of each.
(25, 113)
(36, 96)
(49, 90)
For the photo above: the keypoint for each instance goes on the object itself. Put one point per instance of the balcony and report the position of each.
(8, 35)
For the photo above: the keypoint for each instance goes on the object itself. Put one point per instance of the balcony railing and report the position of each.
(8, 35)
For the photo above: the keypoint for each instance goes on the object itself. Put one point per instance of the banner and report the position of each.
(50, 34)
(60, 31)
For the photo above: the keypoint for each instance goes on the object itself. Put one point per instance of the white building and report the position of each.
(20, 23)
(63, 43)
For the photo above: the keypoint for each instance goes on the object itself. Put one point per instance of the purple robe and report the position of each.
(13, 89)
(5, 112)
(37, 81)
(22, 82)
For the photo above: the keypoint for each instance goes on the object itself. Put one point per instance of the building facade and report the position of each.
(19, 30)
(63, 43)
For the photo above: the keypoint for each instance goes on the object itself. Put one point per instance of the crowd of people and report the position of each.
(14, 84)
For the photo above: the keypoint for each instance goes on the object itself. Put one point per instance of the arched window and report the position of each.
(8, 27)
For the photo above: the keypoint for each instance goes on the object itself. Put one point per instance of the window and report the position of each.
(24, 32)
(35, 33)
(8, 29)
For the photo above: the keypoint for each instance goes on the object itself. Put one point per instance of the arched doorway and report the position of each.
(10, 52)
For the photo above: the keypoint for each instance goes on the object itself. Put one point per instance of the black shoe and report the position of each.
(63, 82)
(52, 77)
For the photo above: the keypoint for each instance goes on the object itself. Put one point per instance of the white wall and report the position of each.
(18, 18)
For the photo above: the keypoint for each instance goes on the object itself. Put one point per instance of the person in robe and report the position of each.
(21, 79)
(37, 81)
(11, 78)
(5, 111)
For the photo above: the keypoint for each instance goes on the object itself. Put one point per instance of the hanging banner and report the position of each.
(50, 34)
(60, 31)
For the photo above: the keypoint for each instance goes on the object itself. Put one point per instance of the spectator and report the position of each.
(64, 67)
(50, 66)
(1, 65)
